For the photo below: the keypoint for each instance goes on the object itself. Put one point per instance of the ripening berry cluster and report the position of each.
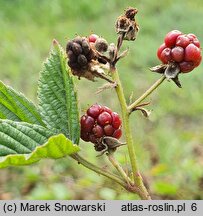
(79, 53)
(183, 49)
(100, 121)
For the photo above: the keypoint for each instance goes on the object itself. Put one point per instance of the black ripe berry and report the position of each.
(79, 54)
(82, 60)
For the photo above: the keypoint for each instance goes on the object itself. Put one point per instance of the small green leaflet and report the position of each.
(57, 96)
(57, 146)
(16, 107)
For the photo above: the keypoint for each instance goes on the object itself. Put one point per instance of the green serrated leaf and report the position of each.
(16, 107)
(57, 146)
(57, 96)
(21, 137)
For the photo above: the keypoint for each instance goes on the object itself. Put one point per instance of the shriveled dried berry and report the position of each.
(78, 40)
(86, 47)
(72, 57)
(82, 60)
(77, 49)
(69, 46)
(101, 45)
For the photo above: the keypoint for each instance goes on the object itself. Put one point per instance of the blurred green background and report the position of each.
(169, 145)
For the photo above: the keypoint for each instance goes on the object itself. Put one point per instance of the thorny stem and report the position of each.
(138, 183)
(146, 94)
(98, 170)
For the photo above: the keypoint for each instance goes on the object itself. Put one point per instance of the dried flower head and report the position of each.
(126, 24)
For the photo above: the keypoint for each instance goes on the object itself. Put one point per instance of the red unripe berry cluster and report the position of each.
(100, 121)
(184, 49)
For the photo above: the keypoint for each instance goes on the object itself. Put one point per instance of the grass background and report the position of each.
(169, 145)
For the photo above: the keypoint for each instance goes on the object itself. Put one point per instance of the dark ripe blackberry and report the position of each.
(78, 40)
(72, 57)
(69, 46)
(82, 60)
(80, 57)
(73, 65)
(77, 49)
(90, 55)
(85, 47)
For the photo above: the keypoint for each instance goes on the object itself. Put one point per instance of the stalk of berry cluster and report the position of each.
(98, 170)
(138, 182)
(133, 106)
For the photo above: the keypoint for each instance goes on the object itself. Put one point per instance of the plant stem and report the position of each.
(119, 168)
(146, 94)
(98, 170)
(143, 193)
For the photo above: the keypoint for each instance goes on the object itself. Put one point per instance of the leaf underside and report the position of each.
(57, 96)
(57, 146)
(16, 107)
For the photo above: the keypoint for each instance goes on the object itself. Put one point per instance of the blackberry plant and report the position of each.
(53, 129)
